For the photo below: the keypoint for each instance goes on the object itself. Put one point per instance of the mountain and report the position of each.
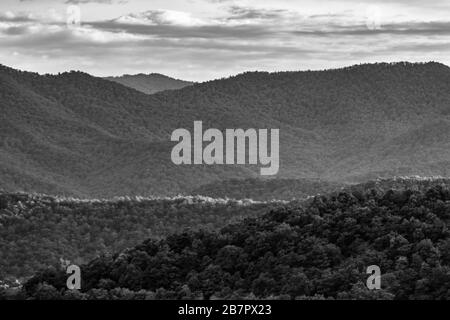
(150, 83)
(74, 134)
(320, 249)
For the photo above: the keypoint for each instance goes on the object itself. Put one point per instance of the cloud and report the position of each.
(92, 1)
(160, 17)
(197, 47)
(10, 16)
(76, 2)
(255, 14)
(437, 28)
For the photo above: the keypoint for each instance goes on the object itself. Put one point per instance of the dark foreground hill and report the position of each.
(150, 83)
(315, 250)
(318, 250)
(74, 134)
(39, 231)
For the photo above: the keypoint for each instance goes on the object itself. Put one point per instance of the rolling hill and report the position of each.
(267, 189)
(74, 134)
(319, 249)
(150, 83)
(36, 231)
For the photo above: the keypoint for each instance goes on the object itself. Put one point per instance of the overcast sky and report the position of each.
(207, 39)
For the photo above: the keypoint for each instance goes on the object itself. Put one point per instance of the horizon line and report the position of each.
(233, 75)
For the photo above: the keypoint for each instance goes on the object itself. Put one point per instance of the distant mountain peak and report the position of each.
(153, 74)
(150, 83)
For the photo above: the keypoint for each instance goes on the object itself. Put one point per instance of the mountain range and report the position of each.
(150, 83)
(75, 134)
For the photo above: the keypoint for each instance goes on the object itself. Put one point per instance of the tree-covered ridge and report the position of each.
(298, 189)
(267, 189)
(315, 250)
(414, 183)
(37, 231)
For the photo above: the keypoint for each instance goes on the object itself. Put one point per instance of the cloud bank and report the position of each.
(233, 39)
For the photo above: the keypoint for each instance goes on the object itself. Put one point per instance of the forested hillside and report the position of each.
(267, 189)
(74, 134)
(413, 183)
(298, 189)
(38, 231)
(316, 250)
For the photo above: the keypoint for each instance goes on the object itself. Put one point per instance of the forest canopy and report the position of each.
(38, 231)
(318, 249)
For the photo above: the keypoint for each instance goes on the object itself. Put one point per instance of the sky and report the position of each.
(208, 39)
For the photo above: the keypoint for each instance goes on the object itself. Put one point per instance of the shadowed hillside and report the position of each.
(314, 250)
(37, 231)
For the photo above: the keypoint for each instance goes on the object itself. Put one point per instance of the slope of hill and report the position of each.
(150, 83)
(37, 231)
(319, 249)
(74, 134)
(401, 184)
(302, 189)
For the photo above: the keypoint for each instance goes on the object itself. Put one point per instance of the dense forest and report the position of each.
(317, 249)
(38, 231)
